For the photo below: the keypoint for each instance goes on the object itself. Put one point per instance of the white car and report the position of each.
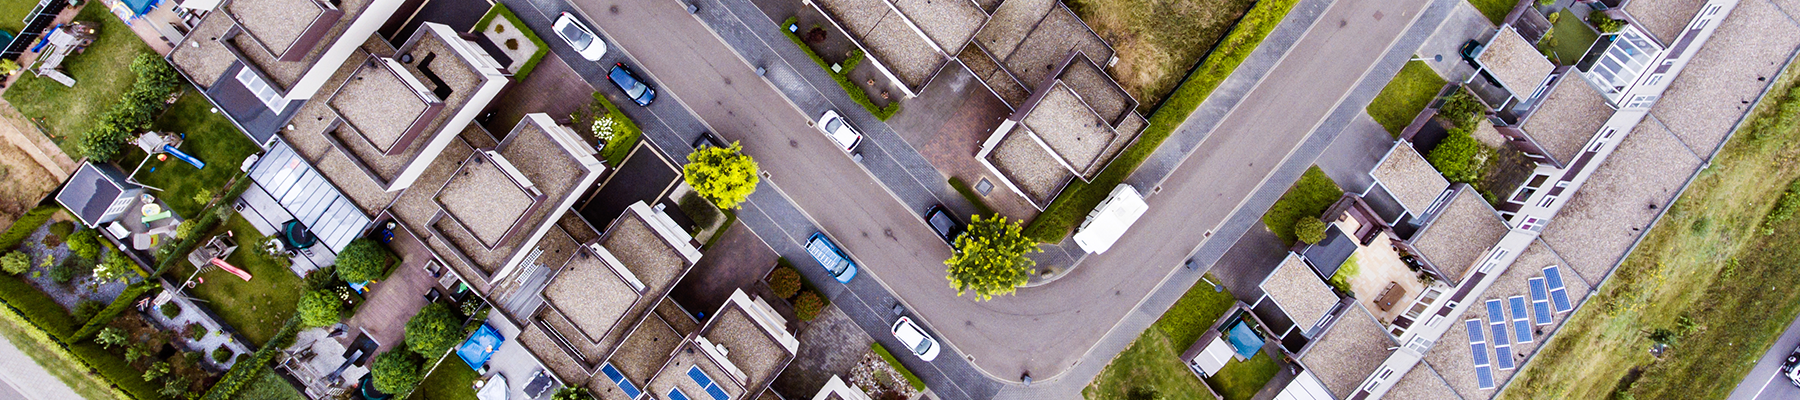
(839, 130)
(915, 339)
(579, 36)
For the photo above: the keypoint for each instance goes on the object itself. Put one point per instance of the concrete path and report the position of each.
(23, 378)
(1765, 381)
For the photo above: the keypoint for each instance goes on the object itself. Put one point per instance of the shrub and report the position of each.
(808, 305)
(433, 331)
(69, 268)
(1605, 23)
(170, 309)
(1309, 229)
(135, 111)
(22, 227)
(1462, 109)
(85, 243)
(87, 309)
(62, 229)
(1341, 279)
(363, 260)
(572, 393)
(196, 332)
(785, 281)
(319, 308)
(222, 354)
(136, 352)
(115, 268)
(1455, 156)
(249, 370)
(895, 363)
(396, 371)
(15, 263)
(110, 337)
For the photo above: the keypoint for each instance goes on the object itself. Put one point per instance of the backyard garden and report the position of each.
(65, 114)
(1158, 42)
(256, 307)
(1151, 368)
(1568, 40)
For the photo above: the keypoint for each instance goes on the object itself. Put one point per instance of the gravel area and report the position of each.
(645, 351)
(644, 253)
(985, 67)
(904, 52)
(276, 23)
(878, 379)
(1098, 90)
(485, 200)
(753, 350)
(949, 23)
(1070, 128)
(207, 62)
(545, 162)
(859, 17)
(1010, 23)
(1702, 103)
(675, 375)
(379, 105)
(1299, 292)
(1515, 62)
(499, 31)
(589, 294)
(1422, 383)
(1665, 19)
(1348, 352)
(1460, 234)
(1408, 177)
(554, 358)
(1029, 166)
(71, 294)
(353, 182)
(1050, 43)
(1568, 117)
(215, 338)
(1598, 225)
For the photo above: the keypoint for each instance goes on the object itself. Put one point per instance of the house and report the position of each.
(1070, 128)
(1554, 129)
(735, 356)
(837, 389)
(1516, 65)
(1301, 295)
(1349, 351)
(1409, 179)
(1455, 233)
(98, 194)
(258, 60)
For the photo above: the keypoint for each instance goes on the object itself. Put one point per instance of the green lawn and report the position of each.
(1158, 41)
(625, 133)
(1708, 261)
(1307, 198)
(270, 386)
(1240, 380)
(1152, 362)
(452, 380)
(257, 308)
(100, 73)
(1495, 10)
(542, 49)
(211, 138)
(1404, 97)
(33, 341)
(1070, 207)
(12, 14)
(1569, 40)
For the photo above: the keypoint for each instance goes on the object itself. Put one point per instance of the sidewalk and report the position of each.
(24, 379)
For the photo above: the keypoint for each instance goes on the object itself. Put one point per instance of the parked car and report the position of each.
(839, 130)
(1791, 368)
(915, 339)
(709, 139)
(579, 36)
(629, 82)
(943, 224)
(833, 259)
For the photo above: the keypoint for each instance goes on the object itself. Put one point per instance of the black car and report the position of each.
(943, 224)
(628, 82)
(708, 139)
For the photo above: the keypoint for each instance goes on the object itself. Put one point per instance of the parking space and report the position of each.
(739, 259)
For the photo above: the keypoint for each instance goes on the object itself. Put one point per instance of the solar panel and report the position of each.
(1559, 295)
(1503, 357)
(717, 393)
(1540, 301)
(617, 378)
(1521, 324)
(706, 382)
(1497, 324)
(1479, 354)
(676, 394)
(1484, 376)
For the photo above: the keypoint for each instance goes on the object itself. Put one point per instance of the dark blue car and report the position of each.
(633, 87)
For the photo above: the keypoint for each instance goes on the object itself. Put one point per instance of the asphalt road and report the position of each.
(1042, 330)
(1765, 381)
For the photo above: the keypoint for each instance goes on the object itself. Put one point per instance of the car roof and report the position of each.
(909, 333)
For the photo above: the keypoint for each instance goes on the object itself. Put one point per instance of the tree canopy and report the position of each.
(433, 330)
(990, 259)
(363, 260)
(320, 308)
(396, 371)
(724, 175)
(1309, 229)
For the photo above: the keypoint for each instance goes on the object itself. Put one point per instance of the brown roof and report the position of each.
(1299, 292)
(1422, 383)
(1459, 234)
(1351, 350)
(1408, 177)
(1567, 118)
(1664, 19)
(751, 349)
(1516, 63)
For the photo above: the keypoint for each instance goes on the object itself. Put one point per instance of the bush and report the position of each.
(125, 301)
(363, 260)
(396, 371)
(784, 281)
(222, 354)
(572, 393)
(319, 308)
(247, 371)
(85, 243)
(1462, 109)
(1605, 23)
(135, 111)
(724, 175)
(170, 309)
(1309, 230)
(433, 331)
(1455, 156)
(71, 267)
(87, 309)
(26, 224)
(37, 307)
(808, 305)
(110, 337)
(16, 262)
(887, 356)
(196, 332)
(115, 268)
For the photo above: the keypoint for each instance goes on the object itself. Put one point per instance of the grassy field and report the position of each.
(1307, 198)
(1495, 10)
(100, 73)
(1569, 40)
(1707, 263)
(451, 380)
(211, 138)
(1152, 362)
(1404, 97)
(256, 308)
(1076, 201)
(1240, 380)
(49, 355)
(270, 386)
(1158, 41)
(12, 14)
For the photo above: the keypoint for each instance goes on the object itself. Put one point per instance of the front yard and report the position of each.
(1151, 366)
(1307, 198)
(211, 138)
(1158, 41)
(452, 380)
(101, 75)
(1404, 97)
(258, 307)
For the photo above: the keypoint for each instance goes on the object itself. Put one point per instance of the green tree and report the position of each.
(724, 175)
(1455, 156)
(116, 268)
(363, 260)
(320, 308)
(1309, 229)
(1463, 109)
(396, 371)
(173, 387)
(85, 243)
(433, 330)
(991, 258)
(572, 393)
(1605, 23)
(157, 370)
(16, 262)
(109, 337)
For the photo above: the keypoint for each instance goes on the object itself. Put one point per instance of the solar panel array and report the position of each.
(1540, 301)
(676, 394)
(712, 388)
(1521, 324)
(1559, 295)
(1484, 374)
(1497, 327)
(617, 378)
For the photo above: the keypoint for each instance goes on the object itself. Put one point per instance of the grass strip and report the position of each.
(542, 48)
(1076, 200)
(981, 206)
(856, 93)
(1405, 96)
(893, 362)
(54, 358)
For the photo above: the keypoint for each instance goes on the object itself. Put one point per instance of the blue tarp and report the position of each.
(139, 7)
(479, 347)
(1244, 340)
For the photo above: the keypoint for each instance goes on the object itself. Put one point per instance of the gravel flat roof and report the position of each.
(275, 23)
(1516, 63)
(950, 23)
(1570, 115)
(1451, 357)
(209, 60)
(1029, 166)
(1348, 352)
(752, 349)
(1460, 234)
(644, 252)
(1406, 175)
(1704, 102)
(1665, 19)
(485, 200)
(591, 295)
(379, 103)
(641, 354)
(983, 66)
(1098, 89)
(1010, 23)
(1616, 205)
(1070, 128)
(1422, 383)
(674, 375)
(1050, 43)
(1299, 292)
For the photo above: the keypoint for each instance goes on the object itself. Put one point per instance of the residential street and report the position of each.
(1765, 381)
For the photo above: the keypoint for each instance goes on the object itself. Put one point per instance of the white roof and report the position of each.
(1108, 222)
(1214, 357)
(1304, 387)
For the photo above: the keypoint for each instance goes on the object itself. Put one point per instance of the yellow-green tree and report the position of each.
(990, 259)
(724, 175)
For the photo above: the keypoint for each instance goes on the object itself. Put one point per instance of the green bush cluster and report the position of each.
(363, 260)
(1078, 198)
(808, 304)
(1455, 156)
(1309, 230)
(124, 302)
(1462, 109)
(134, 112)
(15, 262)
(843, 79)
(222, 354)
(244, 373)
(85, 243)
(397, 371)
(911, 379)
(433, 331)
(1605, 23)
(319, 308)
(724, 175)
(784, 281)
(22, 227)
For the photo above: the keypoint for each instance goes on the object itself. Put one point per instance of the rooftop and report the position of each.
(951, 24)
(1422, 383)
(591, 294)
(1460, 234)
(1406, 175)
(598, 300)
(1070, 128)
(1299, 292)
(382, 102)
(1665, 19)
(879, 27)
(1347, 353)
(1515, 63)
(1029, 165)
(1620, 200)
(278, 24)
(645, 351)
(1452, 358)
(750, 347)
(1567, 118)
(1049, 44)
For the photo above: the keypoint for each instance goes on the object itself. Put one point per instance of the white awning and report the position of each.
(1304, 387)
(1214, 357)
(1110, 220)
(309, 197)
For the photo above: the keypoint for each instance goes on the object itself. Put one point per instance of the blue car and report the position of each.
(633, 87)
(828, 255)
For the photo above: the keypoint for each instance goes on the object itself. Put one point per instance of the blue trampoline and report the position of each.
(1244, 340)
(479, 347)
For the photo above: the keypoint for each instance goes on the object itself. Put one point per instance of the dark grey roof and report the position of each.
(1327, 255)
(91, 191)
(245, 109)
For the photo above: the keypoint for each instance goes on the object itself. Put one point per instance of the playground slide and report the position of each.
(229, 268)
(184, 156)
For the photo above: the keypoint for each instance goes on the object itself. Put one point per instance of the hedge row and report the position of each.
(856, 93)
(26, 224)
(247, 371)
(39, 334)
(894, 362)
(118, 306)
(38, 309)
